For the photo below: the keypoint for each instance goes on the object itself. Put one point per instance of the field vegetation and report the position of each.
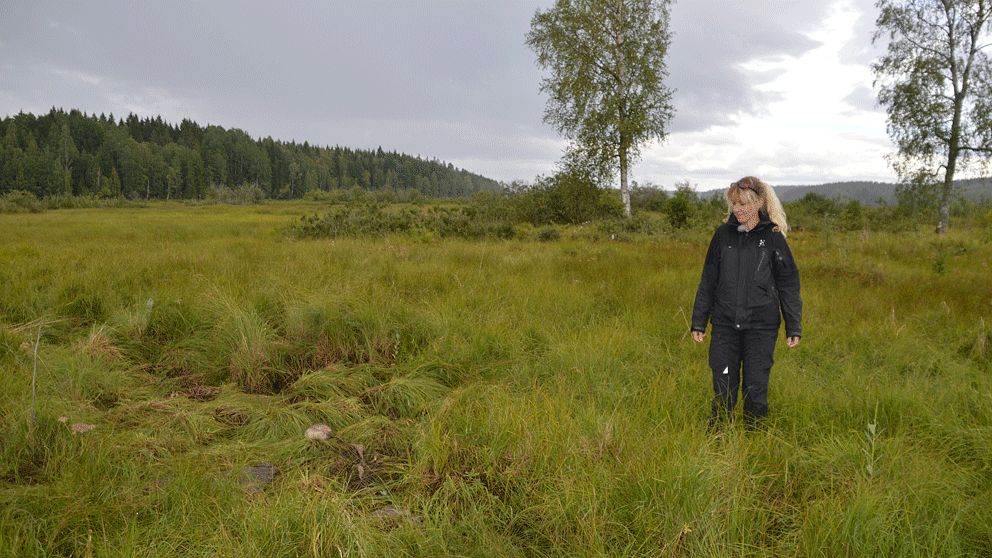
(527, 390)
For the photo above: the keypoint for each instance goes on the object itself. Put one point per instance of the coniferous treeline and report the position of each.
(72, 153)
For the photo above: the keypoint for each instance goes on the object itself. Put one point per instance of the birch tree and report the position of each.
(606, 93)
(935, 82)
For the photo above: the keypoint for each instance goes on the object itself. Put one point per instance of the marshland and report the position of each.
(527, 391)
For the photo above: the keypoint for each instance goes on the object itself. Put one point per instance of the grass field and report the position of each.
(487, 398)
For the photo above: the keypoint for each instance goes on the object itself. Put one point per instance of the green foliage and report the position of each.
(918, 196)
(564, 198)
(605, 90)
(817, 205)
(370, 219)
(816, 212)
(356, 194)
(240, 195)
(72, 154)
(852, 216)
(648, 198)
(679, 208)
(940, 264)
(938, 106)
(86, 201)
(640, 224)
(20, 201)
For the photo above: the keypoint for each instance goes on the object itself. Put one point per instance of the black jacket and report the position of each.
(748, 279)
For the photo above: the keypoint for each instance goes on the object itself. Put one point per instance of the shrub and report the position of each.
(816, 205)
(648, 198)
(682, 206)
(356, 194)
(20, 201)
(59, 201)
(640, 223)
(320, 196)
(237, 195)
(852, 216)
(371, 219)
(565, 198)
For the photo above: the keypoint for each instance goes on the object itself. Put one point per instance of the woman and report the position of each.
(749, 279)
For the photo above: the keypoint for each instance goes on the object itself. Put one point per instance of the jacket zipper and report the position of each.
(741, 281)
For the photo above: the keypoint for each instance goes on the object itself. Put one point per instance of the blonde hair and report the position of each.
(757, 190)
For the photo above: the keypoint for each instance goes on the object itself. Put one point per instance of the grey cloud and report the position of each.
(859, 49)
(711, 38)
(862, 98)
(342, 60)
(450, 79)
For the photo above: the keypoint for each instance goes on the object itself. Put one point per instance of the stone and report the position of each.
(318, 432)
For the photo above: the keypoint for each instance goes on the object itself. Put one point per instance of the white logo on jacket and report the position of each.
(761, 242)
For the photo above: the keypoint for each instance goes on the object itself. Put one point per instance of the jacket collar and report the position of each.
(763, 221)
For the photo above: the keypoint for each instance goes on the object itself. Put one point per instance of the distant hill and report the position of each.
(869, 193)
(72, 153)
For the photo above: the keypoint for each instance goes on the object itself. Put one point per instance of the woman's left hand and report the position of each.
(792, 341)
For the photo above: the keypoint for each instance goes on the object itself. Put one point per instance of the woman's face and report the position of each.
(747, 211)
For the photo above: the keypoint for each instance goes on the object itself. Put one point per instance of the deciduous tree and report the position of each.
(935, 82)
(606, 91)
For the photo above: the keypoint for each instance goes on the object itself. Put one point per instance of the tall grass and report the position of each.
(506, 397)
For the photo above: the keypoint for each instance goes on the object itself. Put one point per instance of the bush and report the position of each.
(548, 235)
(565, 198)
(87, 201)
(816, 205)
(647, 224)
(20, 201)
(320, 196)
(682, 206)
(237, 195)
(852, 216)
(356, 194)
(370, 219)
(648, 198)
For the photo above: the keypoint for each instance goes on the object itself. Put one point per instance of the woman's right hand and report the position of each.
(698, 336)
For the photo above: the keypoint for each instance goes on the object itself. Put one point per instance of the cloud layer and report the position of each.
(764, 86)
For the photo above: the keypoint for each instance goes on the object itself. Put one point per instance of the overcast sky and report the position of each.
(776, 88)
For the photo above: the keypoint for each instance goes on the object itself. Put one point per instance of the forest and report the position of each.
(74, 154)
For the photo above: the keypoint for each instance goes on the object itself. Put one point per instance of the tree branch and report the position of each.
(975, 149)
(580, 46)
(926, 48)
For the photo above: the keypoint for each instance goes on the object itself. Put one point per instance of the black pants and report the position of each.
(741, 353)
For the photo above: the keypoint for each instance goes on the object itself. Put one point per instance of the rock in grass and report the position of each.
(318, 432)
(258, 476)
(80, 427)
